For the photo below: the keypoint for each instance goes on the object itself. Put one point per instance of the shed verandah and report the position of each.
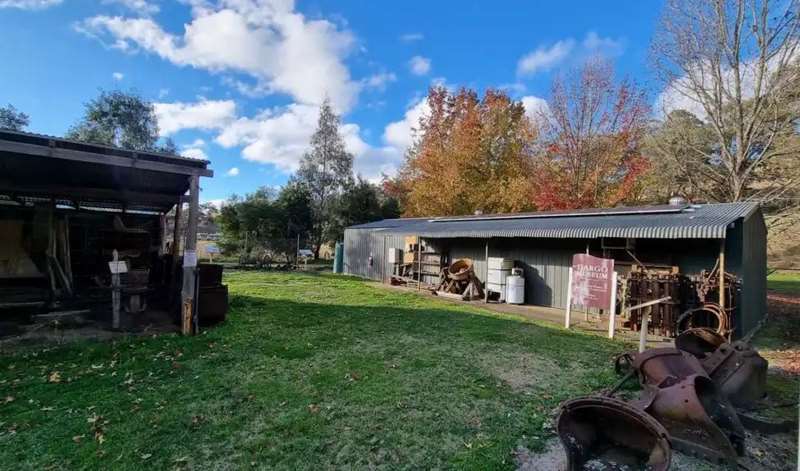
(65, 206)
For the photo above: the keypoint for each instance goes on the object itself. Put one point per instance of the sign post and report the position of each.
(569, 299)
(612, 308)
(592, 283)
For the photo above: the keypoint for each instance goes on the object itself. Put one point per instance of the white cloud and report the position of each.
(380, 81)
(118, 76)
(205, 114)
(142, 7)
(400, 134)
(677, 96)
(419, 65)
(608, 47)
(282, 50)
(515, 87)
(277, 136)
(233, 172)
(280, 136)
(218, 203)
(29, 4)
(194, 153)
(411, 37)
(545, 58)
(536, 108)
(681, 93)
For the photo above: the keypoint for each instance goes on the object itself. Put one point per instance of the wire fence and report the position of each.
(270, 253)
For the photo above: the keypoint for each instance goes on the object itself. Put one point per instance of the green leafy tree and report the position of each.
(327, 171)
(13, 119)
(390, 208)
(358, 204)
(266, 219)
(678, 150)
(294, 201)
(119, 119)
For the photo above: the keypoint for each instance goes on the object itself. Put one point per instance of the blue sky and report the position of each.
(239, 81)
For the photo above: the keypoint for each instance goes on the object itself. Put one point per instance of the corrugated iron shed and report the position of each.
(705, 221)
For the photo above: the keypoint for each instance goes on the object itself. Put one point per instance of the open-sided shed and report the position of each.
(66, 207)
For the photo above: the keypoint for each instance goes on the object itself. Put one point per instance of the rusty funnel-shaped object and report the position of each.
(737, 369)
(680, 395)
(611, 434)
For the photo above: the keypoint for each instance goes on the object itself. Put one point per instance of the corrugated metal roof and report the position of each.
(56, 141)
(707, 221)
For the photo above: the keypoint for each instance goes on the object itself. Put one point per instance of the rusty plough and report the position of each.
(686, 403)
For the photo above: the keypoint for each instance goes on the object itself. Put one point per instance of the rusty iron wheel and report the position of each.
(607, 431)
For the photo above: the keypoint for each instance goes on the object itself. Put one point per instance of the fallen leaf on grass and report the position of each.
(353, 376)
(55, 377)
(146, 456)
(9, 399)
(78, 438)
(313, 408)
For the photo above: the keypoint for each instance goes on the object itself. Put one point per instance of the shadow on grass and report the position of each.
(333, 325)
(306, 374)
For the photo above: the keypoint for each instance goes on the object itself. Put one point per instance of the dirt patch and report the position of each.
(787, 298)
(521, 371)
(49, 334)
(552, 458)
(763, 453)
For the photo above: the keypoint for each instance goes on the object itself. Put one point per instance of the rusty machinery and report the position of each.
(689, 397)
(459, 280)
(693, 300)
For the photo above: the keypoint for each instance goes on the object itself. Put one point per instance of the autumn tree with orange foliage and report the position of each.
(592, 134)
(470, 155)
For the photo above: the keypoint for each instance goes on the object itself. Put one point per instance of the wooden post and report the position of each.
(486, 280)
(115, 293)
(66, 251)
(162, 233)
(176, 229)
(419, 263)
(569, 299)
(189, 292)
(722, 275)
(612, 309)
(176, 237)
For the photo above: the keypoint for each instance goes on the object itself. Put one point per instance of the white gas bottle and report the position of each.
(515, 287)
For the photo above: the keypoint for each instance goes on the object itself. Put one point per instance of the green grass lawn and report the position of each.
(784, 282)
(311, 371)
